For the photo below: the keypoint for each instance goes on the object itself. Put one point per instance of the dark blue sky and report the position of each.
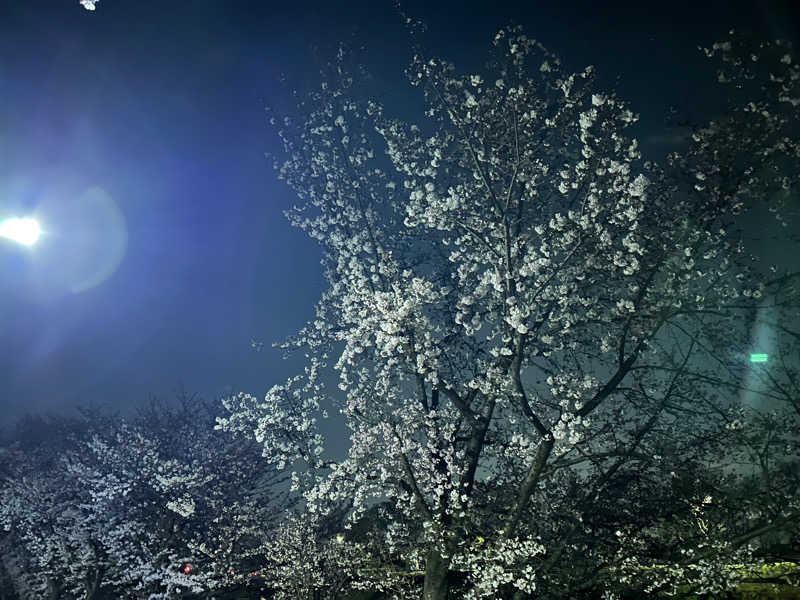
(137, 134)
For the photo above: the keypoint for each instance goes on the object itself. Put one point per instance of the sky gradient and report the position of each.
(137, 134)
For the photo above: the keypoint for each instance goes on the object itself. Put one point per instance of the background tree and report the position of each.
(48, 513)
(206, 505)
(154, 506)
(524, 315)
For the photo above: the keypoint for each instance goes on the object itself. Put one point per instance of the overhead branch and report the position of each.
(475, 445)
(529, 485)
(412, 483)
(609, 387)
(463, 405)
(516, 366)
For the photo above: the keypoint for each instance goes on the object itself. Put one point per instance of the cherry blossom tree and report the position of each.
(738, 504)
(524, 315)
(48, 513)
(203, 501)
(156, 506)
(747, 510)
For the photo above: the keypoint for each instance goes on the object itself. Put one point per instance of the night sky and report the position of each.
(136, 134)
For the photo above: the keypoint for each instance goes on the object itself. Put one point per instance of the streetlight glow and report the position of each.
(23, 231)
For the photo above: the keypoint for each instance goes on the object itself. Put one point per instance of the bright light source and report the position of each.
(22, 231)
(758, 358)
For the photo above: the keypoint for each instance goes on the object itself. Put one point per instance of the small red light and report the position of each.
(187, 568)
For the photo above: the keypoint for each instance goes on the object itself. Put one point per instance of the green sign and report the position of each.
(758, 358)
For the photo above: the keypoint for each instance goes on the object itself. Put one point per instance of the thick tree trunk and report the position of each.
(436, 585)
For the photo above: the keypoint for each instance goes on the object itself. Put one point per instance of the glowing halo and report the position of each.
(87, 239)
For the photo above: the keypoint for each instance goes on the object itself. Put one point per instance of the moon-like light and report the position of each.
(23, 231)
